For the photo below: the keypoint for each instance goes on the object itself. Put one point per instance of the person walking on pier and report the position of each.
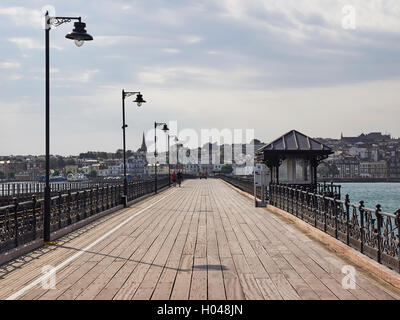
(179, 178)
(173, 178)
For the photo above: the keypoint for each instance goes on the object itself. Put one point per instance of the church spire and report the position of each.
(143, 148)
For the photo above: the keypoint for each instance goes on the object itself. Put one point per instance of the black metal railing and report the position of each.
(245, 183)
(371, 231)
(19, 188)
(24, 191)
(22, 222)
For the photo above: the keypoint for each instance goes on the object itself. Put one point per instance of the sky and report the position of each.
(267, 65)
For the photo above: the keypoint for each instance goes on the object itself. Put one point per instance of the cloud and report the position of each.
(243, 62)
(9, 65)
(87, 76)
(31, 44)
(201, 77)
(171, 50)
(212, 52)
(69, 80)
(192, 39)
(27, 43)
(105, 41)
(22, 16)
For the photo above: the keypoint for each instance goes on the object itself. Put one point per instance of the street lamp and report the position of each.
(177, 149)
(139, 101)
(165, 129)
(79, 35)
(169, 164)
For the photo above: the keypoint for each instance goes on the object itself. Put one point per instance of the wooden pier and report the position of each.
(201, 241)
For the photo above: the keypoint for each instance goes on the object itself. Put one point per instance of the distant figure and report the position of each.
(179, 177)
(173, 178)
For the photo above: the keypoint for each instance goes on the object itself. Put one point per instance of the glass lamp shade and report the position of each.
(139, 100)
(79, 43)
(79, 33)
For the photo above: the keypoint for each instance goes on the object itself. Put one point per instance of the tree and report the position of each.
(60, 162)
(56, 173)
(93, 174)
(119, 154)
(11, 175)
(328, 170)
(226, 168)
(333, 170)
(70, 162)
(2, 175)
(323, 170)
(53, 163)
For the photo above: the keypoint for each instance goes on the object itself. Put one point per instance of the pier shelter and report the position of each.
(293, 158)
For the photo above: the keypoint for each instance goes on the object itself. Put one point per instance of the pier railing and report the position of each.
(245, 183)
(24, 191)
(371, 231)
(20, 188)
(22, 222)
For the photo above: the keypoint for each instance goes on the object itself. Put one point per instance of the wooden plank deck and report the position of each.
(201, 241)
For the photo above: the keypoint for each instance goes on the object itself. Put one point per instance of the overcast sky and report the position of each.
(271, 65)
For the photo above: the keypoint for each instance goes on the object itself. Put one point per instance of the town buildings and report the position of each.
(372, 155)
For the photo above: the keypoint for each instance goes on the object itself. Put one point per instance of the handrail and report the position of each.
(22, 222)
(373, 232)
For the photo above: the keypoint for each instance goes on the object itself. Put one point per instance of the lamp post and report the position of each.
(177, 149)
(165, 129)
(169, 164)
(139, 100)
(80, 35)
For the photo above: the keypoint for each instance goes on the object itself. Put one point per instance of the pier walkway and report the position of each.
(201, 241)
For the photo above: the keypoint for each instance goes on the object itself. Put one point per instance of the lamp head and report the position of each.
(79, 34)
(139, 100)
(165, 128)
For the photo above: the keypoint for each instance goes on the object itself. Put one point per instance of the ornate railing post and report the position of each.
(91, 201)
(78, 206)
(379, 221)
(97, 199)
(16, 221)
(69, 209)
(34, 201)
(292, 200)
(84, 204)
(108, 196)
(361, 209)
(324, 208)
(102, 198)
(335, 211)
(285, 204)
(59, 209)
(315, 208)
(114, 195)
(347, 205)
(279, 196)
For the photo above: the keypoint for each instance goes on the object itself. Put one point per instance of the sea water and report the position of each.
(385, 194)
